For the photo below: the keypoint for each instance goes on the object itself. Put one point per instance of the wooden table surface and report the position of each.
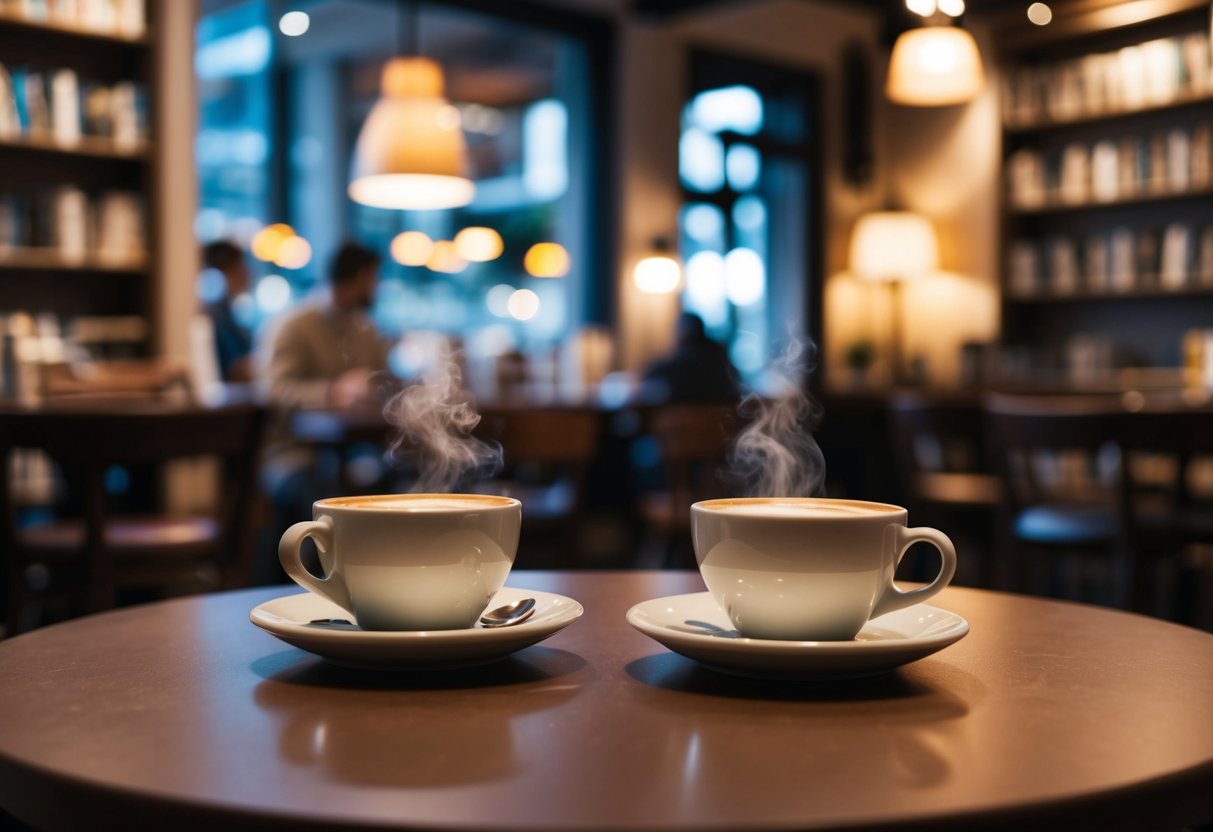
(183, 715)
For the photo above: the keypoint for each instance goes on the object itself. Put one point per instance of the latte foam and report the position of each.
(420, 502)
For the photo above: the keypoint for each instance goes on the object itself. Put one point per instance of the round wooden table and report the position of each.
(183, 715)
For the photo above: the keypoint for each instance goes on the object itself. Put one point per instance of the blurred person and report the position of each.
(325, 354)
(233, 340)
(698, 370)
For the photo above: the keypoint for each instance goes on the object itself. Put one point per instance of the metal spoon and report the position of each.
(514, 613)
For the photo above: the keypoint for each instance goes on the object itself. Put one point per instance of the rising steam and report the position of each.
(776, 455)
(435, 419)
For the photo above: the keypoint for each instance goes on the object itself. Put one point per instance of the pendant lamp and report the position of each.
(934, 66)
(411, 153)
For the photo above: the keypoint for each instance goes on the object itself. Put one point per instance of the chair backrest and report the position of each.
(543, 435)
(694, 440)
(86, 439)
(938, 432)
(1051, 446)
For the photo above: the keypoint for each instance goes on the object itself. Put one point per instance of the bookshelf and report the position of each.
(1107, 218)
(78, 228)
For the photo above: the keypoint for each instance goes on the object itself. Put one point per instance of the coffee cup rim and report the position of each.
(726, 502)
(475, 502)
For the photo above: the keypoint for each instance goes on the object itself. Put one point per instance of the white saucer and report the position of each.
(289, 619)
(695, 626)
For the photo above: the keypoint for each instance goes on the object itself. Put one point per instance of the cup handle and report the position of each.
(319, 530)
(895, 599)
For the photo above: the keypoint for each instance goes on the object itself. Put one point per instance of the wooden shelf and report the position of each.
(87, 147)
(19, 24)
(1179, 103)
(45, 259)
(1085, 296)
(1056, 207)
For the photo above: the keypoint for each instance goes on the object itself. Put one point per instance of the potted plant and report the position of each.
(859, 357)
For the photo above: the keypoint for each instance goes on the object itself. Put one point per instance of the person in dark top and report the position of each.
(698, 370)
(233, 342)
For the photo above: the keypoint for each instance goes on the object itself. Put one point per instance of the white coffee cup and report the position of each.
(808, 569)
(408, 561)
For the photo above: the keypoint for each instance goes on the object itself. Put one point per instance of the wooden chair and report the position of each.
(107, 552)
(546, 454)
(693, 440)
(1065, 487)
(943, 463)
(1170, 515)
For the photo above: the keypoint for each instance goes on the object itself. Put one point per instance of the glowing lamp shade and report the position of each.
(934, 66)
(893, 245)
(411, 153)
(657, 275)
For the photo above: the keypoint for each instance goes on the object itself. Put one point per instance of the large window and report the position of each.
(750, 225)
(279, 115)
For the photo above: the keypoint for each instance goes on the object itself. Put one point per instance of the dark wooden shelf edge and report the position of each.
(89, 148)
(48, 27)
(1084, 297)
(1079, 207)
(1096, 119)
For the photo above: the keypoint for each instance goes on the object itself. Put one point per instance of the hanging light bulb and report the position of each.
(933, 66)
(411, 153)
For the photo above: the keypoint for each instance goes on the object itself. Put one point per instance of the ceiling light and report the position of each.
(294, 24)
(934, 66)
(1040, 14)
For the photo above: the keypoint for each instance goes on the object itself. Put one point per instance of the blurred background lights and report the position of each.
(657, 275)
(523, 305)
(293, 253)
(1040, 14)
(294, 24)
(445, 258)
(212, 286)
(267, 241)
(498, 299)
(273, 293)
(546, 260)
(744, 277)
(479, 245)
(923, 8)
(705, 287)
(411, 248)
(703, 222)
(952, 8)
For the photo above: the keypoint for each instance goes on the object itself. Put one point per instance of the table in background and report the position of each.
(183, 715)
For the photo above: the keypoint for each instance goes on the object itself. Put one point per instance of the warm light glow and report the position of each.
(411, 248)
(294, 24)
(1040, 14)
(893, 245)
(293, 253)
(479, 245)
(445, 258)
(411, 153)
(935, 66)
(523, 305)
(922, 8)
(546, 260)
(952, 8)
(658, 275)
(267, 241)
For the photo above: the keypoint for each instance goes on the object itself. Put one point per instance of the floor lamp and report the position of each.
(893, 247)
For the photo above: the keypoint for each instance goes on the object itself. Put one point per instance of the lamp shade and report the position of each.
(934, 66)
(411, 153)
(893, 245)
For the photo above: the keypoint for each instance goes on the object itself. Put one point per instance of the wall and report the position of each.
(944, 163)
